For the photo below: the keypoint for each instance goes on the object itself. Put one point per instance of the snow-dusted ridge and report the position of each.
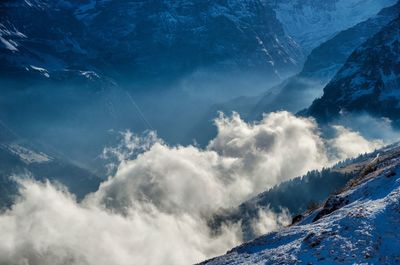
(359, 225)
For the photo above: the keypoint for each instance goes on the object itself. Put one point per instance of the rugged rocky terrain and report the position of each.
(298, 92)
(368, 81)
(321, 65)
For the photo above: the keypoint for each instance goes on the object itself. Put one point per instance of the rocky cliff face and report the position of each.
(368, 81)
(322, 64)
(326, 59)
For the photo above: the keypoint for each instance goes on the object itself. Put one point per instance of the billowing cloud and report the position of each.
(347, 143)
(370, 127)
(154, 209)
(48, 227)
(268, 221)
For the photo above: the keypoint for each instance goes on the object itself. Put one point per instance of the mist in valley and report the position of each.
(182, 136)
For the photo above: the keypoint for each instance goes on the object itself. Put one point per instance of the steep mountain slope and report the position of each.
(39, 37)
(312, 22)
(368, 81)
(299, 91)
(321, 65)
(358, 225)
(326, 59)
(149, 38)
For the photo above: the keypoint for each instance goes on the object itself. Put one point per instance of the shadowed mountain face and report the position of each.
(321, 65)
(299, 91)
(326, 59)
(368, 82)
(131, 40)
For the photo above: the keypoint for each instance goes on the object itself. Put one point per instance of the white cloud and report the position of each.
(154, 210)
(347, 143)
(370, 127)
(269, 221)
(48, 226)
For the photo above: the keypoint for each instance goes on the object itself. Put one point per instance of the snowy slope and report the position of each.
(312, 22)
(358, 225)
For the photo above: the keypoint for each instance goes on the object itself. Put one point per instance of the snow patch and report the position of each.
(28, 156)
(42, 71)
(9, 45)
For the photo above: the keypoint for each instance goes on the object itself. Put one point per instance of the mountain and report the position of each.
(39, 37)
(130, 40)
(326, 59)
(321, 65)
(359, 224)
(311, 22)
(367, 82)
(298, 92)
(143, 40)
